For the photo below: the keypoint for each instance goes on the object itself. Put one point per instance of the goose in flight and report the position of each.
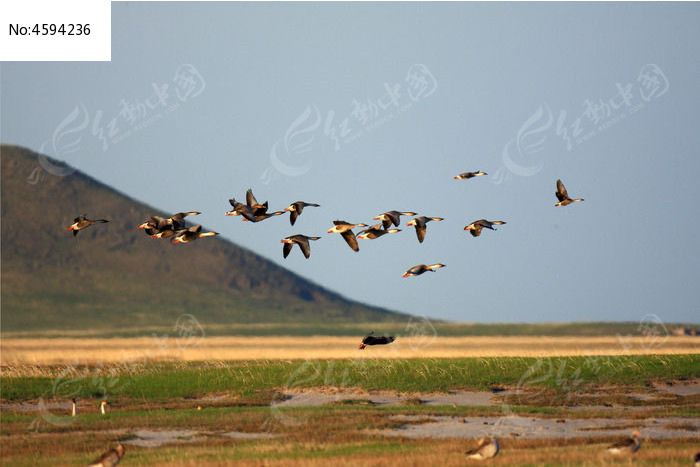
(392, 217)
(375, 231)
(82, 222)
(345, 229)
(191, 234)
(563, 196)
(295, 209)
(475, 227)
(301, 240)
(421, 268)
(371, 339)
(468, 175)
(420, 222)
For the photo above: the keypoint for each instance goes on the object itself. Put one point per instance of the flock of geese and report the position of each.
(252, 211)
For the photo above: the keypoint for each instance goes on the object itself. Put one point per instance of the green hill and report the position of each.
(114, 276)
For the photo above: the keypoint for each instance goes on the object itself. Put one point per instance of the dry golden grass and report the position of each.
(50, 351)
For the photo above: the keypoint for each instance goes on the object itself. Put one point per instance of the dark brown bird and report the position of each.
(241, 209)
(191, 234)
(109, 458)
(486, 449)
(375, 231)
(301, 240)
(154, 225)
(178, 220)
(82, 222)
(421, 268)
(261, 217)
(563, 196)
(392, 217)
(345, 229)
(296, 208)
(255, 207)
(420, 222)
(626, 446)
(370, 339)
(475, 227)
(468, 175)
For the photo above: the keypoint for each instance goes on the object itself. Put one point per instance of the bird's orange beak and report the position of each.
(362, 346)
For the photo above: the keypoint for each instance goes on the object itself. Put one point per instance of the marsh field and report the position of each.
(315, 400)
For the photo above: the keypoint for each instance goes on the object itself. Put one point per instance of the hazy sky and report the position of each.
(370, 107)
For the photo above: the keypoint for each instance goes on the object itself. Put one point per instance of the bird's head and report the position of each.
(362, 346)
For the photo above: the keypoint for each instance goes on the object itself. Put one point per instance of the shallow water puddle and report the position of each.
(153, 438)
(536, 428)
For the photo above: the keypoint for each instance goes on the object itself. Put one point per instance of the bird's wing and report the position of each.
(561, 191)
(250, 198)
(394, 217)
(305, 248)
(286, 248)
(293, 216)
(420, 232)
(476, 231)
(350, 239)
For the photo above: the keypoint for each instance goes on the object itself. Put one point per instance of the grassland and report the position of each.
(240, 421)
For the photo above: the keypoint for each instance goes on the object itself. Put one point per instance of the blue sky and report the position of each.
(370, 107)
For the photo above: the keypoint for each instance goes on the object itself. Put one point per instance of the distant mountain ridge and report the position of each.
(113, 275)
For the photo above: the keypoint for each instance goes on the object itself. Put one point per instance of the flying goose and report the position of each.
(296, 208)
(421, 268)
(191, 234)
(563, 196)
(261, 217)
(154, 224)
(486, 449)
(370, 339)
(468, 175)
(375, 231)
(345, 229)
(626, 446)
(420, 222)
(392, 217)
(252, 203)
(109, 458)
(475, 227)
(301, 240)
(82, 222)
(178, 220)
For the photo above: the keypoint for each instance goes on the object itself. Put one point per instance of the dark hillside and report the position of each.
(114, 275)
